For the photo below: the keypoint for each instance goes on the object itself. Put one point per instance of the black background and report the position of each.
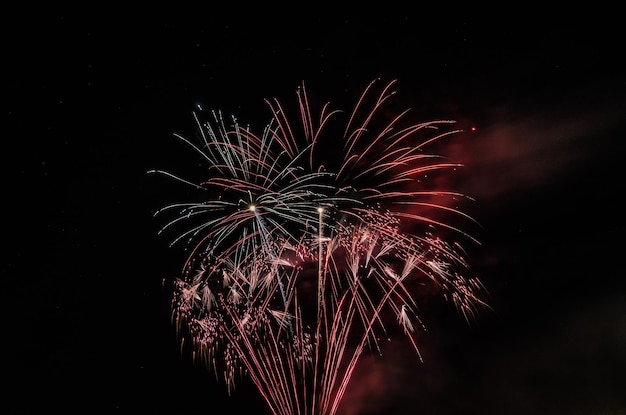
(93, 98)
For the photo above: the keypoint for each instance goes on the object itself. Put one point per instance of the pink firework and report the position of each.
(310, 239)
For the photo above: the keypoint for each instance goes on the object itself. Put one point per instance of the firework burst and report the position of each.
(307, 238)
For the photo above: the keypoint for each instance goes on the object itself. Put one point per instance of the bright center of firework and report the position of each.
(252, 208)
(320, 209)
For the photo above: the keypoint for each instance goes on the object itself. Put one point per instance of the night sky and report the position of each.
(94, 97)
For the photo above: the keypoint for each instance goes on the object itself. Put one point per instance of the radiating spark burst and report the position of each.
(308, 237)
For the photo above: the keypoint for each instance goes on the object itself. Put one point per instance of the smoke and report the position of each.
(522, 149)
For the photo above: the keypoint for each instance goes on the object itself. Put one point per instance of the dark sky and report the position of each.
(93, 98)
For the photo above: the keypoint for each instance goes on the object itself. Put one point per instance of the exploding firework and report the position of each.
(308, 239)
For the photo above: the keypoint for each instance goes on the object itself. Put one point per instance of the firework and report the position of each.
(308, 239)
